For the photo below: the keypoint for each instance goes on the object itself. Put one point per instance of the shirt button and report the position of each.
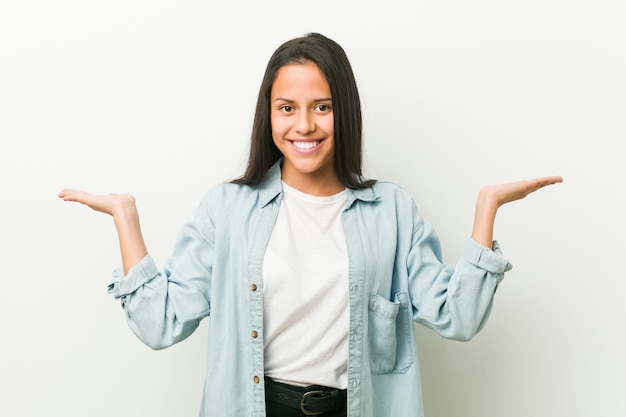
(255, 334)
(256, 379)
(253, 287)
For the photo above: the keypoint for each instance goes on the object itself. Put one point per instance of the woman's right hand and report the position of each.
(112, 204)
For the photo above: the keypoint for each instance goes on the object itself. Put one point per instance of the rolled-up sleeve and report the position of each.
(141, 273)
(491, 260)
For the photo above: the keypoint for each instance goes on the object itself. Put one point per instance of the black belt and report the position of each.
(311, 400)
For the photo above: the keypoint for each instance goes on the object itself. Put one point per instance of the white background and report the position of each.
(156, 98)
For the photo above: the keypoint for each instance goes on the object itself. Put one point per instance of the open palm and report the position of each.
(505, 193)
(105, 203)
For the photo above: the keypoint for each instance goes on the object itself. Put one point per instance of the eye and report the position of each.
(286, 108)
(323, 108)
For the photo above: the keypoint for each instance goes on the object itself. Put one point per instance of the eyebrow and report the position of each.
(317, 100)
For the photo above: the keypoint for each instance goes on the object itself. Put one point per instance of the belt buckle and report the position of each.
(303, 405)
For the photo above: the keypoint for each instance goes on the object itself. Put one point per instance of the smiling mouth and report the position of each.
(305, 145)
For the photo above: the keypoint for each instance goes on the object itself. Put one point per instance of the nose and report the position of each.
(305, 123)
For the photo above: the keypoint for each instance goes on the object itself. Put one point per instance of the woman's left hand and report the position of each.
(512, 191)
(491, 197)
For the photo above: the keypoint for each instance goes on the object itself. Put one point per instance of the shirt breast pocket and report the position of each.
(390, 325)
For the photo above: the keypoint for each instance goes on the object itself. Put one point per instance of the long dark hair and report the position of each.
(333, 62)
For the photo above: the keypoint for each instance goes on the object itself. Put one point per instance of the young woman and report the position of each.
(312, 274)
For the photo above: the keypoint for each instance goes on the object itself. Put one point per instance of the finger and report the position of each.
(539, 183)
(71, 191)
(65, 192)
(550, 180)
(75, 196)
(545, 181)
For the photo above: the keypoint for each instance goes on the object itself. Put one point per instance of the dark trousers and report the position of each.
(276, 410)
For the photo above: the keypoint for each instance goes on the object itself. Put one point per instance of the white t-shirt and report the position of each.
(305, 292)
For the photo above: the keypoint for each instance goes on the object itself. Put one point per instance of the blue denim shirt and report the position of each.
(396, 276)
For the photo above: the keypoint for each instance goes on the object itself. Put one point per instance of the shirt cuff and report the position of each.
(490, 260)
(138, 275)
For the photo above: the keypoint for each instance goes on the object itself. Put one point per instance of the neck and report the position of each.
(315, 185)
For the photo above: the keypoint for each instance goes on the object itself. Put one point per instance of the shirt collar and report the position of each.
(367, 195)
(271, 188)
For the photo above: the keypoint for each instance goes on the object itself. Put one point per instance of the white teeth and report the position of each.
(306, 145)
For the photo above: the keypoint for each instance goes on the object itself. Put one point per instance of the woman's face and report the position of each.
(303, 128)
